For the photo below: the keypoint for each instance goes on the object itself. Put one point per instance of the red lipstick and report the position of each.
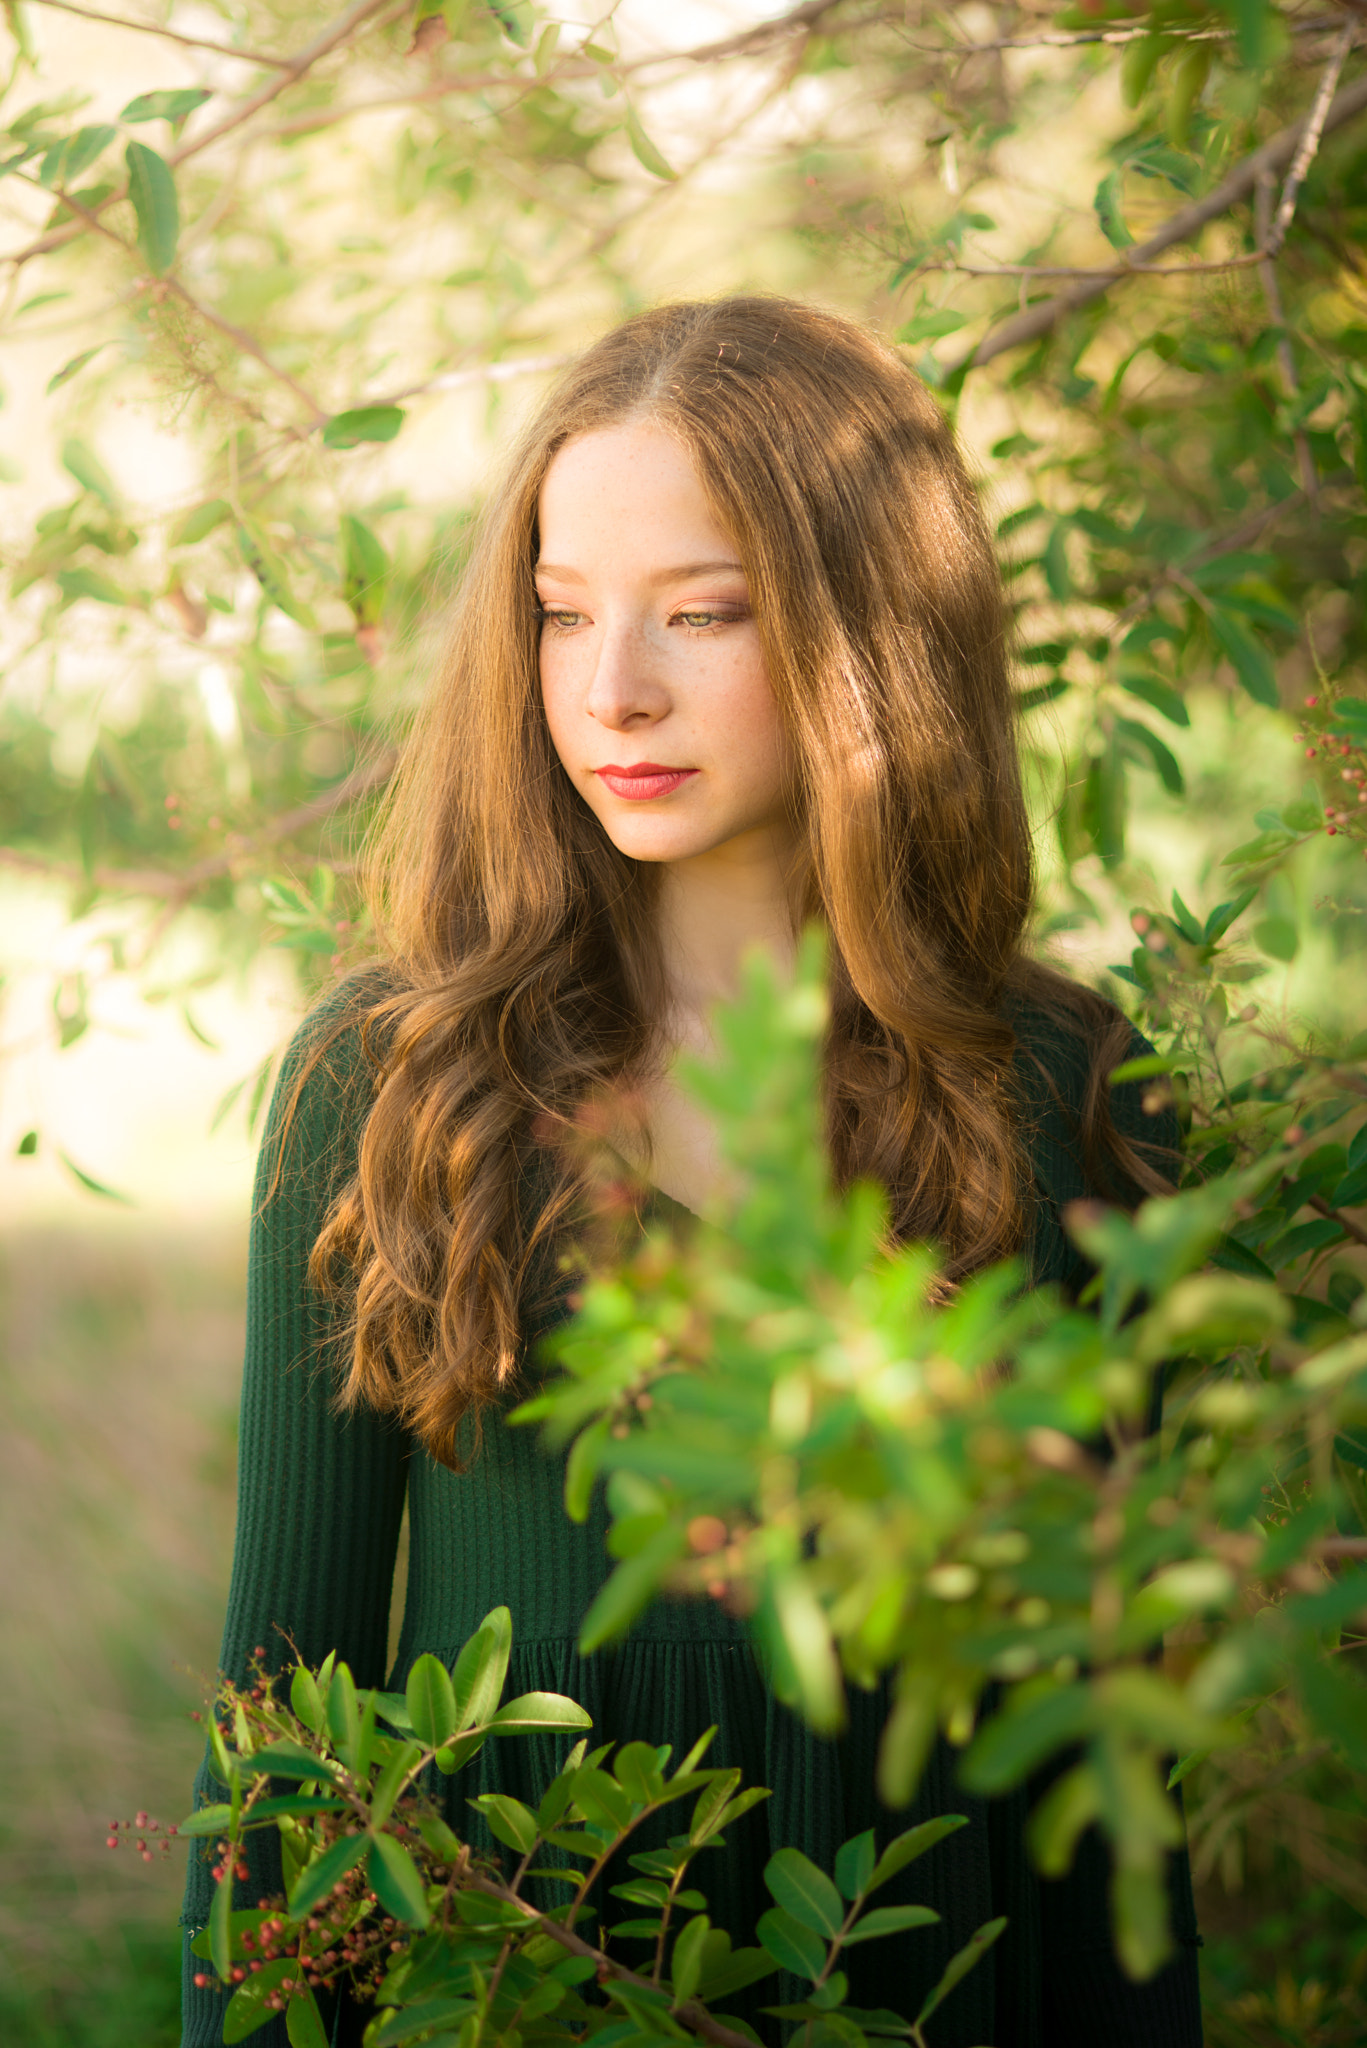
(645, 779)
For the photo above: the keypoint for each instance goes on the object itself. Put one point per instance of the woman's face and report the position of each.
(651, 671)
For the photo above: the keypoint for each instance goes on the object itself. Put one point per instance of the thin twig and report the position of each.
(170, 35)
(1064, 41)
(1228, 544)
(238, 848)
(1310, 140)
(1345, 1223)
(1242, 180)
(160, 286)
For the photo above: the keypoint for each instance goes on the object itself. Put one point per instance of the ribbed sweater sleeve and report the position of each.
(320, 1494)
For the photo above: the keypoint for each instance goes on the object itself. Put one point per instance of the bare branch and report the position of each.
(239, 847)
(1310, 140)
(170, 35)
(1242, 180)
(1064, 40)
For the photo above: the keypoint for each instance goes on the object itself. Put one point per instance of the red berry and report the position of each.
(201, 1981)
(112, 1843)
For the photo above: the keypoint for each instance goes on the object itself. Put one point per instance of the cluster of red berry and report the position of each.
(329, 1943)
(1335, 745)
(136, 1832)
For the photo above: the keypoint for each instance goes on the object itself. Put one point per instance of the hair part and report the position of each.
(523, 962)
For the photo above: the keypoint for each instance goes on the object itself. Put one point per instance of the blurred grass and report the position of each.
(118, 1395)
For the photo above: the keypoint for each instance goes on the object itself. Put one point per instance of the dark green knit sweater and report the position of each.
(320, 1499)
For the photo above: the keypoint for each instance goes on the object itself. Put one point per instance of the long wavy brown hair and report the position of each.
(523, 972)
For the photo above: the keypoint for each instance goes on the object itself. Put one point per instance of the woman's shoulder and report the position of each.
(326, 1082)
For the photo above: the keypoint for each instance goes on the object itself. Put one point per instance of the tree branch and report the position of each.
(1242, 180)
(170, 35)
(295, 68)
(690, 2012)
(178, 888)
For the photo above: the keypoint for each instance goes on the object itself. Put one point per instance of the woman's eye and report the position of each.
(559, 616)
(699, 621)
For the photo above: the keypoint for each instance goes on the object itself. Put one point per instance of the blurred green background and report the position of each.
(253, 391)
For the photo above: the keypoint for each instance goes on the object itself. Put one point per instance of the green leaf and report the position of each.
(804, 1891)
(1151, 689)
(531, 1710)
(152, 190)
(431, 1702)
(854, 1864)
(581, 1468)
(927, 326)
(90, 473)
(213, 1820)
(93, 1186)
(365, 569)
(306, 1699)
(906, 1848)
(303, 2021)
(220, 1928)
(193, 525)
(1250, 659)
(27, 1145)
(744, 1966)
(479, 1671)
(1278, 937)
(174, 105)
(644, 150)
(394, 1879)
(364, 423)
(75, 584)
(630, 1589)
(890, 1920)
(317, 1879)
(792, 1946)
(270, 573)
(76, 364)
(685, 1966)
(247, 2008)
(959, 1966)
(66, 160)
(1023, 1734)
(1148, 745)
(1110, 216)
(517, 18)
(509, 1820)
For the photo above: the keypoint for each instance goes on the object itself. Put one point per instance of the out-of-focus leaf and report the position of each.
(174, 104)
(644, 150)
(363, 423)
(1108, 205)
(152, 189)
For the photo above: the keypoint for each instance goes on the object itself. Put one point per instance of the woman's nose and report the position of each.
(626, 687)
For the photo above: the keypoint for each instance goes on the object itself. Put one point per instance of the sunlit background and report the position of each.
(134, 1047)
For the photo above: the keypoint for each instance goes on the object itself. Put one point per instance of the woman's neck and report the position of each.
(713, 910)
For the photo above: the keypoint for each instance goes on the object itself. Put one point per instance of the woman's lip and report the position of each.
(644, 780)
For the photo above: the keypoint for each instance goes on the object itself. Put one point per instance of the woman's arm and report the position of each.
(320, 1495)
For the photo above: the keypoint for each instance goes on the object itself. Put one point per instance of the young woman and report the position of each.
(731, 654)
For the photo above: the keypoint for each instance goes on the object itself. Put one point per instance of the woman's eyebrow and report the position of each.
(679, 575)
